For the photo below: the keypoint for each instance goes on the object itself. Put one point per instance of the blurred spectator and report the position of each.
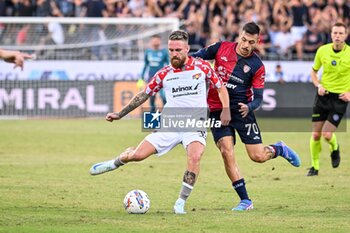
(136, 7)
(312, 40)
(273, 29)
(78, 8)
(21, 37)
(278, 75)
(25, 8)
(196, 40)
(93, 8)
(343, 9)
(247, 12)
(55, 34)
(2, 8)
(122, 9)
(346, 10)
(110, 9)
(265, 43)
(168, 8)
(206, 20)
(249, 15)
(232, 32)
(300, 22)
(265, 12)
(320, 4)
(43, 8)
(329, 17)
(103, 52)
(216, 26)
(66, 7)
(2, 27)
(283, 42)
(216, 7)
(280, 12)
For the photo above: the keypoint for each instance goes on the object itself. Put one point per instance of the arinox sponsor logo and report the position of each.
(186, 88)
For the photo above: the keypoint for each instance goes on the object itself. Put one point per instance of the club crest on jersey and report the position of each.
(196, 76)
(246, 69)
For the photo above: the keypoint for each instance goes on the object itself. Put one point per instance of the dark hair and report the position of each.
(340, 24)
(179, 35)
(251, 28)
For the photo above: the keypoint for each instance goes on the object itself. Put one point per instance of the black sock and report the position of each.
(239, 186)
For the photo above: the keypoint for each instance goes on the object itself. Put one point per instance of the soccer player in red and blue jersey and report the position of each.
(243, 72)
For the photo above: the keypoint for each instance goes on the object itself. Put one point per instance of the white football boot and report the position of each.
(179, 207)
(102, 167)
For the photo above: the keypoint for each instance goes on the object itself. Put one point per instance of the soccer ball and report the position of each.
(136, 202)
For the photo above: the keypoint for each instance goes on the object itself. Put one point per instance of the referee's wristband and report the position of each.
(319, 85)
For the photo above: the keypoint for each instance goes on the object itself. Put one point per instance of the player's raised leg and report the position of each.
(281, 149)
(141, 152)
(260, 153)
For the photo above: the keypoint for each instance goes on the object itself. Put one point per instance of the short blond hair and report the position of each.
(179, 35)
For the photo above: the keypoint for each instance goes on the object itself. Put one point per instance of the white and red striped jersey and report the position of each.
(185, 87)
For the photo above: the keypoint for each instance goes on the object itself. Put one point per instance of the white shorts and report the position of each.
(165, 141)
(297, 33)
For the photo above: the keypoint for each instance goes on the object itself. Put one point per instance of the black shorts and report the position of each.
(329, 107)
(247, 128)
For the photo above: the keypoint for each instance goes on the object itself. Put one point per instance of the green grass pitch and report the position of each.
(45, 185)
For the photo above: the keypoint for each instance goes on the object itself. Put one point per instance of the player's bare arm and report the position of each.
(136, 101)
(320, 89)
(225, 116)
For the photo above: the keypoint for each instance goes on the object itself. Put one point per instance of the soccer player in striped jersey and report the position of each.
(185, 84)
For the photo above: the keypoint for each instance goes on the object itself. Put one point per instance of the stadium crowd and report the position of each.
(291, 29)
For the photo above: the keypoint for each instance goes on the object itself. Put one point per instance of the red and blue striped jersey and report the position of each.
(240, 74)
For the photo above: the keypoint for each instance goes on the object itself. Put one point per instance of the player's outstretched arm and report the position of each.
(14, 57)
(225, 116)
(136, 101)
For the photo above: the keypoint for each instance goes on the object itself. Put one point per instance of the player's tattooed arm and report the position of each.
(189, 178)
(136, 101)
